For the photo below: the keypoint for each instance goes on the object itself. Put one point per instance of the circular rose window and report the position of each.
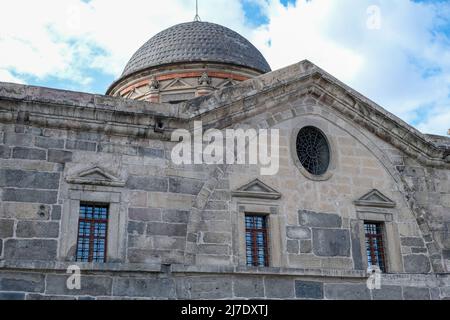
(313, 150)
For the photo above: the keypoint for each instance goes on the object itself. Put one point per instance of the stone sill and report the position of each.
(177, 268)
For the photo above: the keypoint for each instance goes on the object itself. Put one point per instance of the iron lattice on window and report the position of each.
(313, 150)
(92, 233)
(375, 245)
(256, 241)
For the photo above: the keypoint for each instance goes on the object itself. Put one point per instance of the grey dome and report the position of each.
(197, 42)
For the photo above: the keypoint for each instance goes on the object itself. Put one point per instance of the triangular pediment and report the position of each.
(177, 84)
(375, 198)
(96, 176)
(256, 189)
(226, 83)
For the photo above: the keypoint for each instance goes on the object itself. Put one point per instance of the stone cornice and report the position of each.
(80, 111)
(41, 266)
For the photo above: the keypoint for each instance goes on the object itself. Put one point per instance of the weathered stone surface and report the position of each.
(49, 143)
(59, 156)
(417, 263)
(90, 285)
(24, 211)
(331, 242)
(155, 288)
(279, 288)
(419, 250)
(356, 246)
(29, 153)
(138, 241)
(169, 243)
(144, 214)
(117, 149)
(12, 296)
(387, 293)
(412, 242)
(210, 288)
(18, 139)
(216, 205)
(136, 228)
(298, 233)
(17, 281)
(185, 186)
(166, 229)
(5, 152)
(343, 291)
(413, 293)
(175, 216)
(81, 145)
(148, 183)
(305, 246)
(213, 249)
(308, 290)
(216, 237)
(29, 179)
(292, 246)
(248, 287)
(30, 195)
(35, 229)
(40, 250)
(6, 228)
(143, 256)
(216, 215)
(319, 220)
(56, 212)
(150, 152)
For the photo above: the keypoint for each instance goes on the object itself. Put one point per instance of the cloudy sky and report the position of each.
(396, 52)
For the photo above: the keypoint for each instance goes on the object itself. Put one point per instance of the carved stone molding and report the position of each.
(95, 176)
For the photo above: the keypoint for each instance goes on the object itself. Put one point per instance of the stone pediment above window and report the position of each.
(96, 176)
(375, 198)
(257, 189)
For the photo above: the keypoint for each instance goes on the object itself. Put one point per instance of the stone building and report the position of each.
(88, 180)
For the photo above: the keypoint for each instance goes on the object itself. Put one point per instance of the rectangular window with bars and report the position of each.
(256, 240)
(375, 244)
(92, 232)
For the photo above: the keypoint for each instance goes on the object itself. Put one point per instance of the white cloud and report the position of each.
(404, 66)
(6, 76)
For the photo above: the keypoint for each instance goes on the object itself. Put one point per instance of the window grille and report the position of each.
(256, 241)
(313, 150)
(375, 245)
(92, 233)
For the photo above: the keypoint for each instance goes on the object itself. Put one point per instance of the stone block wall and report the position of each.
(183, 283)
(178, 229)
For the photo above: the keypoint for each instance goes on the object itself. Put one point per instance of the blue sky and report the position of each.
(397, 53)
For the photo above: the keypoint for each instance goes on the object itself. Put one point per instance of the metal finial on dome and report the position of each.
(197, 17)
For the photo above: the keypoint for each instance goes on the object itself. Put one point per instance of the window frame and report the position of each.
(380, 237)
(322, 126)
(392, 249)
(92, 238)
(254, 245)
(117, 222)
(275, 244)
